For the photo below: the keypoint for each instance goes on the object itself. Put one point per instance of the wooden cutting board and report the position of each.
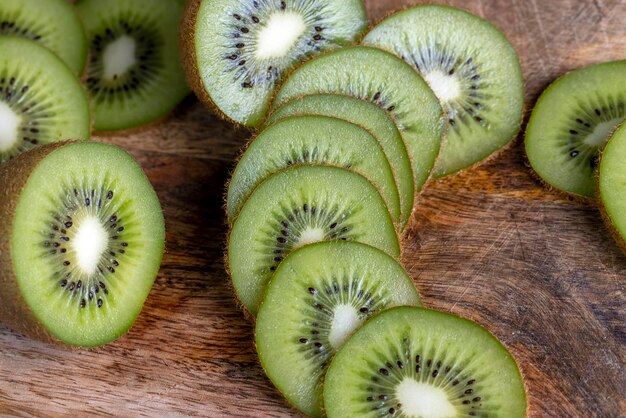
(491, 244)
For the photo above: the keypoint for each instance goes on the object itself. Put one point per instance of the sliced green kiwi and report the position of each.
(236, 52)
(135, 76)
(318, 296)
(415, 362)
(572, 121)
(385, 80)
(81, 241)
(298, 206)
(370, 117)
(473, 70)
(41, 101)
(312, 139)
(612, 185)
(51, 23)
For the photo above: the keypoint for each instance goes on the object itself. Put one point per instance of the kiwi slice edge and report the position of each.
(422, 369)
(299, 205)
(463, 88)
(372, 118)
(305, 139)
(611, 195)
(318, 296)
(246, 22)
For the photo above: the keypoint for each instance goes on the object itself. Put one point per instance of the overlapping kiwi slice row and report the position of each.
(315, 205)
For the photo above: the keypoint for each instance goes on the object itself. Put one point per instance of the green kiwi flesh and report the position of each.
(381, 78)
(312, 139)
(135, 76)
(53, 24)
(572, 121)
(297, 206)
(415, 362)
(41, 101)
(80, 243)
(243, 48)
(612, 185)
(373, 119)
(318, 296)
(472, 68)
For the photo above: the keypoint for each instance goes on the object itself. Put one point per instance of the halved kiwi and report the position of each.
(373, 119)
(81, 241)
(318, 296)
(415, 362)
(473, 70)
(312, 139)
(51, 23)
(236, 52)
(572, 121)
(385, 80)
(41, 101)
(135, 76)
(612, 185)
(298, 206)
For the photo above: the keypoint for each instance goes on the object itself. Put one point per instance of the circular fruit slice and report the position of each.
(414, 362)
(385, 80)
(373, 119)
(51, 23)
(298, 206)
(134, 76)
(41, 101)
(572, 121)
(80, 243)
(473, 70)
(312, 139)
(319, 295)
(612, 185)
(236, 52)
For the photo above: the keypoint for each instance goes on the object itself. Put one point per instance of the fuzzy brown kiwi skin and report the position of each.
(190, 60)
(14, 312)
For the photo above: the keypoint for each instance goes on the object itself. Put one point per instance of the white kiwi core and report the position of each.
(446, 87)
(279, 35)
(89, 243)
(423, 400)
(602, 132)
(9, 127)
(345, 321)
(309, 236)
(119, 56)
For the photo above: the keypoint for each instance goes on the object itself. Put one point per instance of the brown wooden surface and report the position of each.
(491, 244)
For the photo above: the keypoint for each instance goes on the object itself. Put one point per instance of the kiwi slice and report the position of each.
(473, 70)
(318, 296)
(612, 185)
(385, 80)
(371, 118)
(134, 75)
(298, 206)
(41, 101)
(312, 139)
(236, 52)
(572, 121)
(415, 362)
(51, 23)
(80, 243)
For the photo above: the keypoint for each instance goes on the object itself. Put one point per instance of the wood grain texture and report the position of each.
(491, 244)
